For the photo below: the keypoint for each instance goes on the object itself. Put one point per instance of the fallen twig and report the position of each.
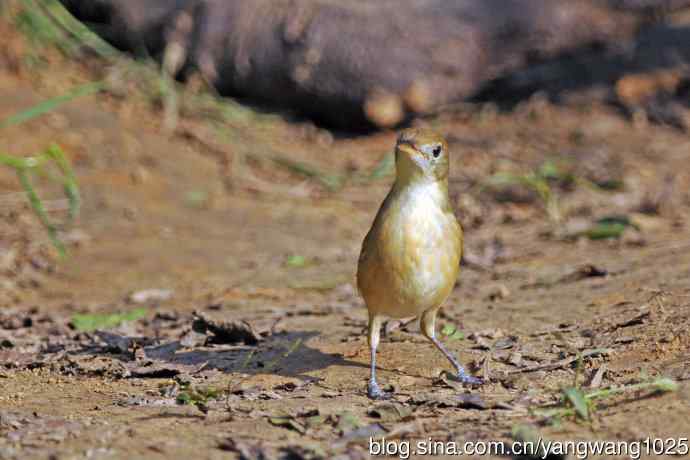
(563, 362)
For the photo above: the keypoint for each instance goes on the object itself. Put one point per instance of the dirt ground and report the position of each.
(202, 215)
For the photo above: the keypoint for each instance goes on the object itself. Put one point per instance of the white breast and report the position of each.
(428, 250)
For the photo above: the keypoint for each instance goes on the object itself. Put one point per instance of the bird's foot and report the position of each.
(468, 379)
(375, 392)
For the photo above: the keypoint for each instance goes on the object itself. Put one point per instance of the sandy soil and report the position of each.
(264, 244)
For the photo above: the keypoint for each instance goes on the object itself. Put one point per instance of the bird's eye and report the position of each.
(432, 150)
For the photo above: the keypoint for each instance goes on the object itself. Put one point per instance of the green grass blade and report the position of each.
(81, 34)
(24, 166)
(94, 321)
(51, 104)
(70, 185)
(19, 162)
(577, 399)
(39, 29)
(40, 211)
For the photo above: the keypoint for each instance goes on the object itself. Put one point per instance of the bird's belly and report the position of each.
(418, 262)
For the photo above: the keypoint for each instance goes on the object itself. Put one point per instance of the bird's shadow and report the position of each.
(286, 354)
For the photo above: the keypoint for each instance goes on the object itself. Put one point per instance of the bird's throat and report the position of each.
(421, 191)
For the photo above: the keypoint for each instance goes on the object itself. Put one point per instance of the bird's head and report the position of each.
(421, 155)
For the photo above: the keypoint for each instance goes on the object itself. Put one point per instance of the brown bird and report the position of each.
(410, 258)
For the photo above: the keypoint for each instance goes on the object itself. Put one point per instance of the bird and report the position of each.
(410, 258)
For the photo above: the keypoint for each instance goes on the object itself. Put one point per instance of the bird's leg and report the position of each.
(373, 389)
(428, 326)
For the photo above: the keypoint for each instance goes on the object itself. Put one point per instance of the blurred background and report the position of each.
(163, 157)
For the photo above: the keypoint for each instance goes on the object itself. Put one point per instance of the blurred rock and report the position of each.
(150, 295)
(360, 63)
(498, 292)
(636, 89)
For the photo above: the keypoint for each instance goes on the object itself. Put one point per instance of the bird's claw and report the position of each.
(470, 380)
(375, 392)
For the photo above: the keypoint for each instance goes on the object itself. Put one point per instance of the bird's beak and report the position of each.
(414, 154)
